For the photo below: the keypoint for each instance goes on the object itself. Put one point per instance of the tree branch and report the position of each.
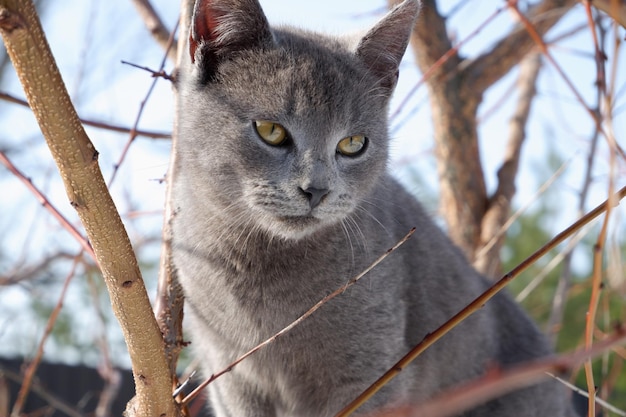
(430, 39)
(491, 66)
(156, 27)
(500, 202)
(478, 303)
(31, 369)
(95, 123)
(614, 8)
(170, 298)
(76, 159)
(497, 382)
(456, 87)
(463, 195)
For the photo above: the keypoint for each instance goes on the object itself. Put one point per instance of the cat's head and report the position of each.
(282, 129)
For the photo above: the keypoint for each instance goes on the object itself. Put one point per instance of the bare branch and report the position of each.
(430, 39)
(492, 65)
(456, 88)
(520, 211)
(170, 297)
(95, 123)
(614, 8)
(558, 303)
(156, 27)
(477, 304)
(54, 401)
(76, 159)
(29, 374)
(142, 106)
(463, 195)
(46, 203)
(30, 272)
(500, 202)
(497, 382)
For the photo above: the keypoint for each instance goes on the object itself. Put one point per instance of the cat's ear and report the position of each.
(220, 28)
(382, 48)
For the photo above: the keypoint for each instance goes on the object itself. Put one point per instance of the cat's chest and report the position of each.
(259, 287)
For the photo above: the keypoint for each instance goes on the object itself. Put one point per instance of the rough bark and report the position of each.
(170, 297)
(456, 90)
(77, 160)
(499, 207)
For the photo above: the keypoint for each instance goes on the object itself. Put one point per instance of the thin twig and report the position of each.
(554, 262)
(497, 382)
(594, 299)
(28, 272)
(596, 279)
(600, 56)
(445, 57)
(505, 227)
(599, 401)
(53, 400)
(476, 305)
(133, 130)
(300, 319)
(32, 367)
(155, 74)
(614, 8)
(544, 49)
(46, 203)
(94, 123)
(558, 303)
(499, 205)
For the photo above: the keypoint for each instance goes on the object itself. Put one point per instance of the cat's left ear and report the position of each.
(220, 28)
(382, 48)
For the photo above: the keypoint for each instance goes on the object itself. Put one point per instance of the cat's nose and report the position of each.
(314, 195)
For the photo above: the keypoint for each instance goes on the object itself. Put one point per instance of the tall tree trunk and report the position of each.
(77, 160)
(456, 90)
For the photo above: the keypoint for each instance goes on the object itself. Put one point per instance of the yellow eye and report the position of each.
(272, 133)
(352, 145)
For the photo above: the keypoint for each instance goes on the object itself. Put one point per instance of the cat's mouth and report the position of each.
(299, 220)
(297, 227)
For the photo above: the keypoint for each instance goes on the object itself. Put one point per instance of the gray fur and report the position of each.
(253, 254)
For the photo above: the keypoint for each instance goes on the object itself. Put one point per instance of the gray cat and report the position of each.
(281, 195)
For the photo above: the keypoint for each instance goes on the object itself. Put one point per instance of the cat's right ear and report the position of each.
(382, 48)
(221, 28)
